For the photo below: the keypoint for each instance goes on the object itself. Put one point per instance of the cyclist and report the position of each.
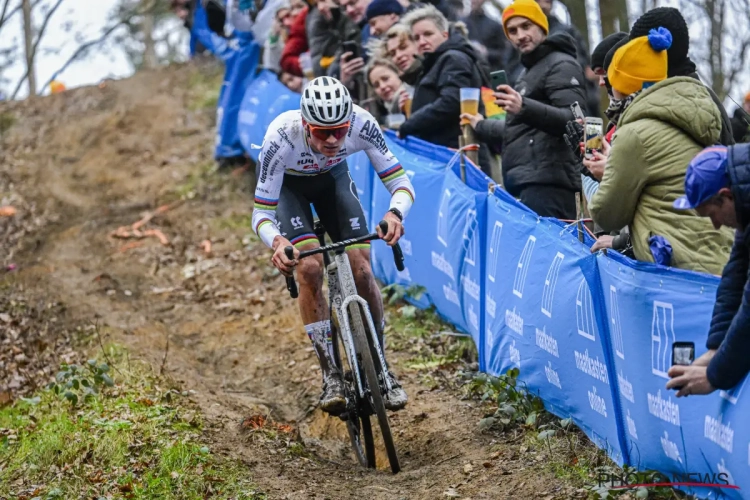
(302, 162)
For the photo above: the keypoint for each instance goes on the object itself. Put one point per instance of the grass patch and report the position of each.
(136, 439)
(566, 450)
(7, 120)
(204, 87)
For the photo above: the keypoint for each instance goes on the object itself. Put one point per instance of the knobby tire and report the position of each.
(363, 345)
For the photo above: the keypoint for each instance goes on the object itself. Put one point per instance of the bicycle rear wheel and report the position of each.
(358, 424)
(363, 346)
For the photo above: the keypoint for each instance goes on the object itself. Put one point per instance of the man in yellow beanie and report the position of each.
(538, 168)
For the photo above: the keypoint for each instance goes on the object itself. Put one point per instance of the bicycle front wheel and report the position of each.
(364, 348)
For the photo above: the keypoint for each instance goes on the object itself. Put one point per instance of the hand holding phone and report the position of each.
(351, 46)
(498, 78)
(577, 111)
(683, 353)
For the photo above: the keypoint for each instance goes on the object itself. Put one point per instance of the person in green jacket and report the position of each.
(664, 123)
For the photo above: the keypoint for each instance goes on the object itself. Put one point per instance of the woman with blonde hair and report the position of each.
(383, 78)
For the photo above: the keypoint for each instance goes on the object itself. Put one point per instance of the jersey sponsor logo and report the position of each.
(305, 161)
(285, 137)
(273, 148)
(371, 133)
(334, 161)
(296, 222)
(351, 126)
(355, 223)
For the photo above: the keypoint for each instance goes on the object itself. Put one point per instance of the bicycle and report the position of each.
(364, 355)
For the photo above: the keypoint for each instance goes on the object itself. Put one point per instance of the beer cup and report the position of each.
(469, 102)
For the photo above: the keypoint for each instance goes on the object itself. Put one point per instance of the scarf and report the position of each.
(618, 106)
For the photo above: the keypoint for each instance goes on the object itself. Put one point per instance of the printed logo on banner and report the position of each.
(616, 324)
(471, 244)
(550, 283)
(491, 304)
(515, 355)
(631, 427)
(451, 295)
(442, 225)
(473, 317)
(585, 311)
(552, 376)
(662, 338)
(497, 231)
(405, 245)
(723, 470)
(670, 448)
(718, 432)
(733, 394)
(597, 402)
(523, 267)
(514, 321)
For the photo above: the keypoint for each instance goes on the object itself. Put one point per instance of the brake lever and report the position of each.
(398, 255)
(291, 285)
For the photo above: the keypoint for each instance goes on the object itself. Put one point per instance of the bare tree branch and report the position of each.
(83, 48)
(32, 57)
(5, 17)
(4, 11)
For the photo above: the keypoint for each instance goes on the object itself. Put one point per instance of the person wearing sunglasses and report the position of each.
(303, 162)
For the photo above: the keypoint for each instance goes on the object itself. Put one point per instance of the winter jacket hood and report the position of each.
(456, 41)
(683, 103)
(559, 42)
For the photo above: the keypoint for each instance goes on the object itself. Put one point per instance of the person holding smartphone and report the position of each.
(717, 187)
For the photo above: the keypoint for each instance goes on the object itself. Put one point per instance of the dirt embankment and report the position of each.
(190, 289)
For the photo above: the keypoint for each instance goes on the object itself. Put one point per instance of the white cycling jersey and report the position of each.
(285, 151)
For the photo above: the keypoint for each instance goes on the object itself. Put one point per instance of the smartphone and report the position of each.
(683, 353)
(498, 78)
(577, 111)
(351, 46)
(594, 131)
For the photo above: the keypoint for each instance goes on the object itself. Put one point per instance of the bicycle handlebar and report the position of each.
(398, 255)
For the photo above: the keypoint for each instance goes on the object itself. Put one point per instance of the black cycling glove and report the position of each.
(574, 138)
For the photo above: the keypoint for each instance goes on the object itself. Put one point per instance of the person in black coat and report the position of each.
(449, 63)
(717, 185)
(538, 167)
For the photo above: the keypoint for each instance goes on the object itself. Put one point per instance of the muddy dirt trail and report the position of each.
(101, 158)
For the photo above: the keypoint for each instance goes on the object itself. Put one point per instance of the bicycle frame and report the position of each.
(343, 297)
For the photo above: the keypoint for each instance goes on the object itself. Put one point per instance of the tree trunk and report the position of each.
(716, 10)
(614, 16)
(577, 9)
(147, 27)
(28, 34)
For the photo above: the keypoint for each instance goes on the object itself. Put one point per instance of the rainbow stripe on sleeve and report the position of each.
(392, 173)
(262, 223)
(265, 204)
(404, 190)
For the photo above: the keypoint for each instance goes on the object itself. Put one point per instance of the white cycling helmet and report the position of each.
(326, 102)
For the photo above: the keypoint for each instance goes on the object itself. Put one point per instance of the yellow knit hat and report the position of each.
(641, 62)
(528, 9)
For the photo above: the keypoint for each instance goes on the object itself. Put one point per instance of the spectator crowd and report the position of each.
(667, 186)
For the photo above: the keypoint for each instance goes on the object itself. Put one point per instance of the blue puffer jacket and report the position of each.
(730, 325)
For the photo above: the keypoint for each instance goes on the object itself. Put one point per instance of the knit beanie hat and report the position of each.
(382, 8)
(528, 9)
(601, 50)
(670, 18)
(641, 62)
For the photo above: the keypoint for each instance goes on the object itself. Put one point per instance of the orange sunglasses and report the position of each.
(323, 133)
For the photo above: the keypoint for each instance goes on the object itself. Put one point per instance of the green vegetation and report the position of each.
(204, 87)
(112, 432)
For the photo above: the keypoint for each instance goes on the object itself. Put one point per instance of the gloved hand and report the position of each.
(574, 138)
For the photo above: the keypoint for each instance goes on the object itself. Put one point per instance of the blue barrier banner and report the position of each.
(239, 72)
(540, 319)
(426, 174)
(200, 32)
(254, 114)
(649, 308)
(592, 335)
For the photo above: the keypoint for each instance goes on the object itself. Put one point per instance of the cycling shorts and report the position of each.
(334, 196)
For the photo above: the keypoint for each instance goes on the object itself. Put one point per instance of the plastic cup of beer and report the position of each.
(305, 62)
(394, 121)
(407, 104)
(469, 103)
